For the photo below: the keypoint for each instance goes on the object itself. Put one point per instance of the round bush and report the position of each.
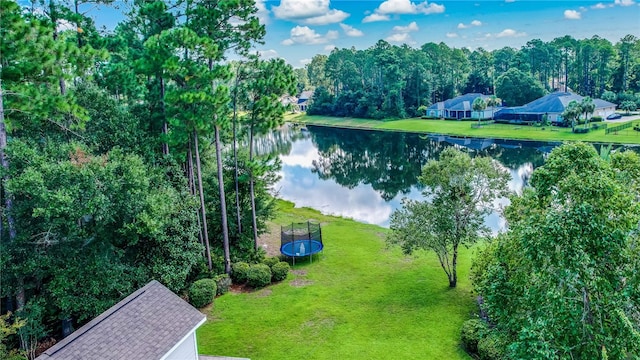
(259, 275)
(222, 282)
(239, 272)
(270, 261)
(202, 292)
(280, 271)
(472, 331)
(492, 346)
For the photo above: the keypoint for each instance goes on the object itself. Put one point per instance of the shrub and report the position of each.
(596, 118)
(581, 130)
(259, 275)
(472, 332)
(492, 346)
(280, 271)
(270, 261)
(202, 292)
(222, 282)
(239, 272)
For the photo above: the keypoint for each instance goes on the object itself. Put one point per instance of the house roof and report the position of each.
(462, 102)
(555, 102)
(145, 325)
(305, 95)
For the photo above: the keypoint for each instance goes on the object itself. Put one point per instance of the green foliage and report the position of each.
(239, 272)
(461, 191)
(270, 261)
(573, 235)
(202, 292)
(492, 346)
(223, 282)
(280, 271)
(259, 275)
(472, 331)
(628, 106)
(9, 326)
(517, 88)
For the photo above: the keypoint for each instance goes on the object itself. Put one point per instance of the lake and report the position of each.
(364, 175)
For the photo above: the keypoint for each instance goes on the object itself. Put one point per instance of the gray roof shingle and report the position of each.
(144, 325)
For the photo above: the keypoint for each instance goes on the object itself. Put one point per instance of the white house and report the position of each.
(151, 323)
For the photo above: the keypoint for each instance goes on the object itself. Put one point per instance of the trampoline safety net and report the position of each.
(301, 239)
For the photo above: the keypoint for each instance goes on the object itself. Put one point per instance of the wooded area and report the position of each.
(390, 81)
(120, 155)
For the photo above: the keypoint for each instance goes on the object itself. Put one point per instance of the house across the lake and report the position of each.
(551, 105)
(460, 107)
(151, 323)
(303, 100)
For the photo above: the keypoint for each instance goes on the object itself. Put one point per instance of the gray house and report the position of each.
(460, 107)
(151, 323)
(552, 106)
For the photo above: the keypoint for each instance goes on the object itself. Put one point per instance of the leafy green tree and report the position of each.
(479, 105)
(266, 83)
(628, 106)
(562, 282)
(493, 102)
(587, 107)
(571, 113)
(517, 88)
(461, 192)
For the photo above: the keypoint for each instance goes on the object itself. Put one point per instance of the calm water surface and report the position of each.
(364, 175)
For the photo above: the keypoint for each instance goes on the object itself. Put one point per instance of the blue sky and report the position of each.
(299, 29)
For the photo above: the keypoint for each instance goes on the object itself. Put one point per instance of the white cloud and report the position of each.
(473, 23)
(572, 15)
(399, 38)
(351, 31)
(304, 62)
(329, 47)
(375, 17)
(263, 13)
(64, 25)
(401, 33)
(399, 7)
(451, 35)
(332, 17)
(624, 2)
(405, 29)
(510, 33)
(268, 54)
(312, 12)
(599, 6)
(303, 35)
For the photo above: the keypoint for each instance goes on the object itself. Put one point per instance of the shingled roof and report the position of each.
(555, 102)
(145, 325)
(459, 103)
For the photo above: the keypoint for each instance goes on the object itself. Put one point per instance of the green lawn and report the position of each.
(463, 128)
(359, 300)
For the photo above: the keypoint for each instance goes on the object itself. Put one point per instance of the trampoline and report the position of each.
(301, 239)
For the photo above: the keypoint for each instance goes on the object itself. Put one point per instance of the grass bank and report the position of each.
(464, 129)
(358, 301)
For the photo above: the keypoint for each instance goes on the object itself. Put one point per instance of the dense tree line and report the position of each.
(395, 81)
(119, 154)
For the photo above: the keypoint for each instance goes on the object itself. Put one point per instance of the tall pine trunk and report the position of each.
(8, 199)
(205, 233)
(235, 152)
(223, 203)
(192, 187)
(254, 221)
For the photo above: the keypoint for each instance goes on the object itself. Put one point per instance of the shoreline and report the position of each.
(464, 129)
